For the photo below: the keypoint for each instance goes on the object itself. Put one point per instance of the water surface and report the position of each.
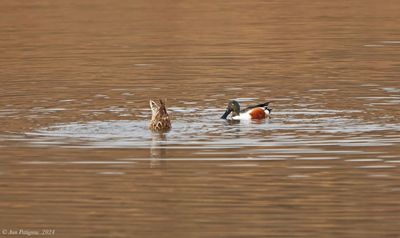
(77, 157)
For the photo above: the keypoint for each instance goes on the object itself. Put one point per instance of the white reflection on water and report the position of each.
(204, 129)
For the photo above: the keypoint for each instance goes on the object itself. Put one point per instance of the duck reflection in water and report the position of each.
(157, 149)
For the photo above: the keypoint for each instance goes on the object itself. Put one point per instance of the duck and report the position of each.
(258, 112)
(160, 121)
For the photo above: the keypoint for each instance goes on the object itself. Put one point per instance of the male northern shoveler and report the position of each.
(259, 111)
(159, 117)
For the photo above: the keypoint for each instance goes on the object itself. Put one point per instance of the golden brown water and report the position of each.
(76, 156)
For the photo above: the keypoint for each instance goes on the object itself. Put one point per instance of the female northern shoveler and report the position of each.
(259, 111)
(159, 117)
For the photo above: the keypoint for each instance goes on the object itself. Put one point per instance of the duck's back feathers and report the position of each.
(262, 105)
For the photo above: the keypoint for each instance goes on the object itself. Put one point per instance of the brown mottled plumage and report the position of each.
(159, 119)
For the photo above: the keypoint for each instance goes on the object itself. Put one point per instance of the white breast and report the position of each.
(242, 116)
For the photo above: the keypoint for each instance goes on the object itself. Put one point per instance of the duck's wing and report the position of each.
(264, 105)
